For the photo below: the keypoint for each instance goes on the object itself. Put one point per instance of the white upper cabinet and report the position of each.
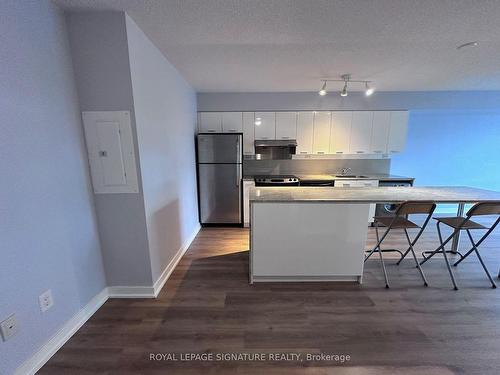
(265, 125)
(340, 134)
(305, 132)
(380, 134)
(232, 122)
(321, 132)
(210, 122)
(286, 125)
(248, 133)
(361, 132)
(398, 131)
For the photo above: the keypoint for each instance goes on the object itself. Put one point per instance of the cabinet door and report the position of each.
(232, 122)
(380, 134)
(210, 122)
(361, 132)
(286, 125)
(398, 131)
(305, 132)
(340, 134)
(321, 132)
(265, 125)
(248, 133)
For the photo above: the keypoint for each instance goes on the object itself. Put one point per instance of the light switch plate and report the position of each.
(46, 300)
(9, 327)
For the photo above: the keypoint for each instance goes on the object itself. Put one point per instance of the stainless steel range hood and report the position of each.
(275, 149)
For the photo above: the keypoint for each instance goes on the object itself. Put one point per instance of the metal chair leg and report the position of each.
(474, 247)
(449, 270)
(441, 246)
(383, 268)
(379, 241)
(415, 258)
(403, 256)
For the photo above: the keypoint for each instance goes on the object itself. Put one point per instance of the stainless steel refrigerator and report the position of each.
(219, 177)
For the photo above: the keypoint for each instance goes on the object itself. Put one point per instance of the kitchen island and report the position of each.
(319, 234)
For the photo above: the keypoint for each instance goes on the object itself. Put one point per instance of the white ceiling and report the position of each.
(289, 45)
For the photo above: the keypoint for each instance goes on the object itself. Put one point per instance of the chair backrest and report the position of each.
(415, 207)
(484, 208)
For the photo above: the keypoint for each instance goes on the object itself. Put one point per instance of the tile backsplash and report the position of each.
(317, 166)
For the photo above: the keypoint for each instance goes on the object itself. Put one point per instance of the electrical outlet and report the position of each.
(9, 327)
(46, 300)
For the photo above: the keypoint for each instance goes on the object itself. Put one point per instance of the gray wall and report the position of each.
(102, 72)
(437, 100)
(165, 110)
(48, 231)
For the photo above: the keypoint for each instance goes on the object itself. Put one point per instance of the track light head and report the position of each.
(323, 91)
(368, 90)
(344, 90)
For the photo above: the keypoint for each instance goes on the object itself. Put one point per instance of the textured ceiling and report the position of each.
(286, 45)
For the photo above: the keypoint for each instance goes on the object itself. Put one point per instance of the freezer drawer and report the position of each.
(220, 193)
(219, 148)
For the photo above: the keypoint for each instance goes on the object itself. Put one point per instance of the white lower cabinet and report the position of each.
(247, 184)
(359, 184)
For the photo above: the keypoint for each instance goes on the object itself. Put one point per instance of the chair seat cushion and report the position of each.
(399, 222)
(457, 221)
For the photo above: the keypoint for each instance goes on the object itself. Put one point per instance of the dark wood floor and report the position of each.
(208, 306)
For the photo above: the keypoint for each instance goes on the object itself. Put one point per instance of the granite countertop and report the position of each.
(442, 194)
(330, 177)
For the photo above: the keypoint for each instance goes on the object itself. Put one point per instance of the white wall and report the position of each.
(165, 111)
(102, 72)
(48, 232)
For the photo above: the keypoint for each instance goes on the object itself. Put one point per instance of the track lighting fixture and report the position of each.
(368, 90)
(346, 78)
(344, 90)
(323, 92)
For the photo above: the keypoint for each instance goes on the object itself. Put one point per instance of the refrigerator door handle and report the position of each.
(238, 167)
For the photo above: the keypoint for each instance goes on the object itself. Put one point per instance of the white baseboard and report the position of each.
(173, 263)
(131, 292)
(37, 360)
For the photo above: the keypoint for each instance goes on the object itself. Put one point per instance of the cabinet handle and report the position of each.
(264, 137)
(285, 137)
(378, 151)
(339, 152)
(394, 151)
(320, 152)
(232, 130)
(303, 152)
(211, 131)
(360, 152)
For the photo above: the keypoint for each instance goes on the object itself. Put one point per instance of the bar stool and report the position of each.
(400, 221)
(459, 223)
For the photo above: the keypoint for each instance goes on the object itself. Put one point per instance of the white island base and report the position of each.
(307, 241)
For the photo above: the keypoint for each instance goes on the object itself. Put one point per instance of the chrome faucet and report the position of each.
(345, 171)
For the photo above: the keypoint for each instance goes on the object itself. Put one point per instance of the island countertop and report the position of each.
(441, 194)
